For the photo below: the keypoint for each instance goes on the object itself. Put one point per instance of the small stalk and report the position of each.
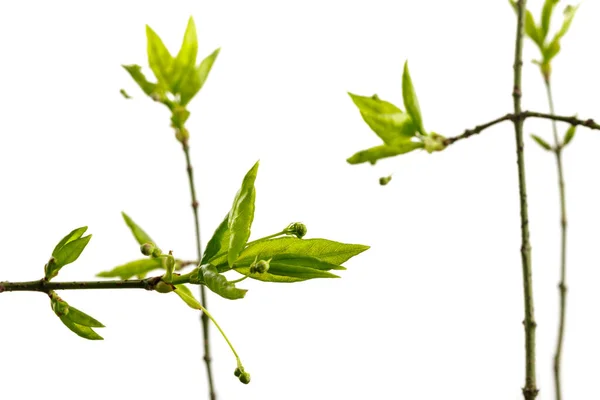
(562, 285)
(530, 389)
(204, 317)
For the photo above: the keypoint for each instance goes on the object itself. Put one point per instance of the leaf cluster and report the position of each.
(401, 132)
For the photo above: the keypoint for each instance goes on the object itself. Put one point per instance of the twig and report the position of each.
(588, 123)
(530, 389)
(203, 318)
(562, 286)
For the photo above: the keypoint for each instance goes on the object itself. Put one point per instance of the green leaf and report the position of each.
(541, 142)
(289, 268)
(159, 58)
(84, 331)
(324, 250)
(374, 154)
(71, 251)
(242, 215)
(124, 94)
(569, 14)
(194, 80)
(138, 267)
(546, 17)
(209, 276)
(550, 51)
(411, 103)
(569, 134)
(218, 242)
(532, 30)
(73, 235)
(185, 62)
(81, 318)
(139, 234)
(385, 119)
(186, 295)
(136, 73)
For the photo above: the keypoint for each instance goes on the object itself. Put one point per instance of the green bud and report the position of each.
(297, 229)
(260, 267)
(59, 306)
(49, 269)
(434, 142)
(237, 372)
(156, 252)
(168, 263)
(147, 249)
(182, 134)
(245, 378)
(384, 180)
(164, 287)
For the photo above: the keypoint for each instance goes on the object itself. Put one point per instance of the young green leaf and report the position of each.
(532, 30)
(124, 94)
(136, 73)
(138, 267)
(242, 215)
(218, 242)
(67, 254)
(326, 251)
(186, 295)
(286, 268)
(541, 142)
(73, 235)
(374, 154)
(84, 331)
(185, 62)
(546, 17)
(159, 58)
(139, 234)
(209, 276)
(569, 134)
(81, 318)
(385, 119)
(550, 51)
(569, 14)
(194, 80)
(411, 102)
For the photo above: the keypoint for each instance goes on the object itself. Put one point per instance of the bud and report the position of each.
(156, 252)
(59, 306)
(164, 287)
(168, 264)
(237, 372)
(297, 229)
(434, 142)
(245, 378)
(384, 180)
(147, 249)
(260, 267)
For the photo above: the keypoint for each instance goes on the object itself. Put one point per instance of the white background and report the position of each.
(432, 311)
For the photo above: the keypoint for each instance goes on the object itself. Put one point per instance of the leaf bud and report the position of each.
(434, 142)
(59, 306)
(164, 287)
(245, 378)
(297, 229)
(384, 180)
(147, 249)
(260, 267)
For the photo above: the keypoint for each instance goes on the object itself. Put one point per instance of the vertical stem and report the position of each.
(204, 318)
(562, 286)
(530, 389)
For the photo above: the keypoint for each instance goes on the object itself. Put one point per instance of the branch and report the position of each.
(588, 123)
(45, 286)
